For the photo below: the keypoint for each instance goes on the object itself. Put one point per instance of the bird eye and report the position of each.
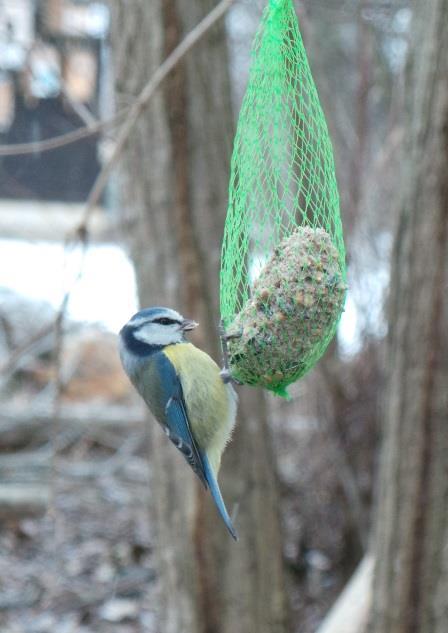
(164, 321)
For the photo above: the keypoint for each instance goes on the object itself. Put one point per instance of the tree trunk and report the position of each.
(174, 183)
(411, 576)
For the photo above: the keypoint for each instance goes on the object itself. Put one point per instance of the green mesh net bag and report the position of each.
(283, 260)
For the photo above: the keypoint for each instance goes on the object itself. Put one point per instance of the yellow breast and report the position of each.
(211, 405)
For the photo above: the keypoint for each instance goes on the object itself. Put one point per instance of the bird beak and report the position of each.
(188, 324)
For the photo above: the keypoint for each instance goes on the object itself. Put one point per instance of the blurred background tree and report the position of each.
(174, 197)
(411, 544)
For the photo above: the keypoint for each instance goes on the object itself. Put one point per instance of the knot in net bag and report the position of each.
(283, 259)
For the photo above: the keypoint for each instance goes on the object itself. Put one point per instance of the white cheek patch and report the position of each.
(157, 334)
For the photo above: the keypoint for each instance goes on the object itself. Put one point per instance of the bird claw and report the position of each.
(225, 374)
(228, 337)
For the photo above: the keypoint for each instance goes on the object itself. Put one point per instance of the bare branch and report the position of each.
(22, 426)
(22, 149)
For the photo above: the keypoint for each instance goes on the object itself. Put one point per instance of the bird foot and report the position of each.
(228, 337)
(225, 374)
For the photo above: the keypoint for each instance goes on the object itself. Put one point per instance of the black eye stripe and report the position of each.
(159, 321)
(164, 321)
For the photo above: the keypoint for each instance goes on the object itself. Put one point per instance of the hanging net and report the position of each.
(283, 260)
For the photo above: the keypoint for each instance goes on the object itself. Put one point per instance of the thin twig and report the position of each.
(79, 108)
(22, 149)
(142, 101)
(57, 354)
(59, 381)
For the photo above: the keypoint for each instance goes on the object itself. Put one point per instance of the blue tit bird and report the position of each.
(183, 388)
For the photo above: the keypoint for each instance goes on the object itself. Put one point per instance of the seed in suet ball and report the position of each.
(292, 313)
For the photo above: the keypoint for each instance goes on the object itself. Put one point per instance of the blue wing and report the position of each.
(172, 414)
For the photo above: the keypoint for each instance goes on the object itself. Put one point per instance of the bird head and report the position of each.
(155, 328)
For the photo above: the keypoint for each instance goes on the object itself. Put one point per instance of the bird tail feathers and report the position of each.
(217, 497)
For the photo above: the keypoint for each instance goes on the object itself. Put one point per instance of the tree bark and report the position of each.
(174, 183)
(411, 575)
